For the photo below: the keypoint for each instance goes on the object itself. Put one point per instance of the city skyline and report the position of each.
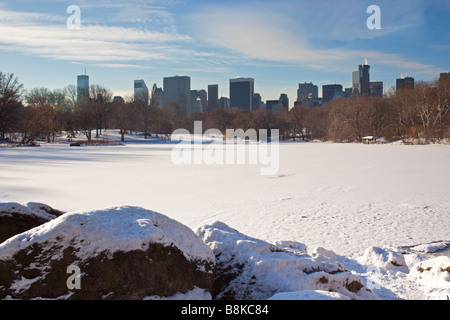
(318, 41)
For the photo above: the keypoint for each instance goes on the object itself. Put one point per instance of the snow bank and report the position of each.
(249, 268)
(114, 229)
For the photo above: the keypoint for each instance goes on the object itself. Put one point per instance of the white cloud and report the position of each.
(276, 33)
(47, 36)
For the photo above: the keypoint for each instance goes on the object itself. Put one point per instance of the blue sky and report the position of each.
(278, 43)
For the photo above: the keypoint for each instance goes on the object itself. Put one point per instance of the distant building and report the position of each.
(224, 103)
(329, 92)
(178, 90)
(256, 101)
(444, 75)
(348, 92)
(82, 87)
(118, 99)
(140, 92)
(273, 105)
(284, 100)
(157, 96)
(361, 81)
(307, 91)
(201, 95)
(213, 97)
(338, 94)
(376, 88)
(197, 106)
(241, 93)
(405, 83)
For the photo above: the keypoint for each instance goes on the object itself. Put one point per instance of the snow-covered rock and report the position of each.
(16, 218)
(430, 247)
(120, 253)
(252, 269)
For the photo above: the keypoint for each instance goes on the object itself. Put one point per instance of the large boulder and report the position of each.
(252, 269)
(16, 218)
(125, 253)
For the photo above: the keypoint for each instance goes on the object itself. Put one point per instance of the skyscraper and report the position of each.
(365, 80)
(284, 101)
(224, 103)
(307, 91)
(241, 93)
(178, 90)
(201, 95)
(256, 102)
(405, 83)
(157, 97)
(140, 91)
(329, 91)
(83, 87)
(376, 88)
(213, 97)
(361, 80)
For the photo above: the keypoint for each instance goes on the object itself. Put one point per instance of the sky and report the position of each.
(278, 43)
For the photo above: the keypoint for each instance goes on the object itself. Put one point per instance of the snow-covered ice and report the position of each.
(345, 198)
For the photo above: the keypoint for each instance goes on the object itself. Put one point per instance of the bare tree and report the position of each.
(46, 118)
(10, 102)
(100, 98)
(124, 115)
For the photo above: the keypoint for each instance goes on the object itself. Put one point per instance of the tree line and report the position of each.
(422, 113)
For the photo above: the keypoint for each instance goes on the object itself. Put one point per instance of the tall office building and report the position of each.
(348, 92)
(82, 87)
(201, 95)
(157, 96)
(256, 102)
(178, 90)
(361, 80)
(224, 103)
(405, 83)
(330, 91)
(140, 92)
(273, 106)
(307, 91)
(376, 88)
(284, 101)
(241, 93)
(213, 97)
